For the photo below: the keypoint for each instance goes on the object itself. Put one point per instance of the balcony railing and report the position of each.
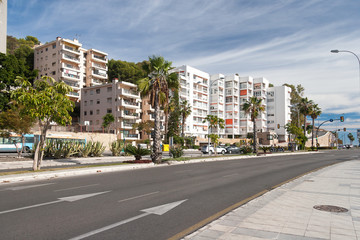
(131, 114)
(130, 135)
(71, 57)
(99, 73)
(131, 103)
(71, 75)
(130, 92)
(100, 58)
(71, 49)
(74, 94)
(72, 84)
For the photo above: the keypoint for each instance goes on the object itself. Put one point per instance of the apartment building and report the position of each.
(148, 114)
(3, 25)
(217, 100)
(246, 91)
(194, 86)
(279, 110)
(119, 98)
(232, 106)
(261, 86)
(66, 60)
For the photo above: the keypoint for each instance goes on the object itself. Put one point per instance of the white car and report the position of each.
(219, 149)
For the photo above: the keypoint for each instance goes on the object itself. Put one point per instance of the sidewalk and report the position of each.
(288, 212)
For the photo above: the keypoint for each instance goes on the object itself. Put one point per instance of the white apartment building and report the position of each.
(279, 110)
(195, 89)
(3, 25)
(261, 86)
(121, 99)
(246, 91)
(66, 60)
(232, 106)
(217, 100)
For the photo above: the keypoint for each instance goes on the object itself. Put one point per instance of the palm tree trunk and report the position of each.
(182, 127)
(255, 138)
(305, 125)
(166, 126)
(156, 155)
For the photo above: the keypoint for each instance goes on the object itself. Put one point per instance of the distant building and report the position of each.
(64, 59)
(121, 99)
(3, 25)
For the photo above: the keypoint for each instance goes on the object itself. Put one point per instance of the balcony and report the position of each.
(70, 58)
(127, 125)
(70, 49)
(74, 94)
(129, 104)
(99, 74)
(70, 76)
(129, 115)
(98, 58)
(130, 93)
(128, 136)
(99, 66)
(73, 84)
(70, 67)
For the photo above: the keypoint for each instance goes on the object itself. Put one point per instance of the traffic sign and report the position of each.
(331, 120)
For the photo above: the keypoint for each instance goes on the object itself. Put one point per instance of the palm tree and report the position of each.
(156, 87)
(214, 122)
(185, 111)
(305, 107)
(253, 107)
(173, 85)
(315, 111)
(145, 126)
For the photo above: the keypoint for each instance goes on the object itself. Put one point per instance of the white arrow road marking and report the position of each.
(64, 199)
(159, 210)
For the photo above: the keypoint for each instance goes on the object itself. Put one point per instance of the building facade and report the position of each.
(66, 60)
(119, 98)
(194, 88)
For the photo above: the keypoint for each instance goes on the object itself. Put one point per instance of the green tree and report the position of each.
(297, 92)
(174, 116)
(299, 136)
(13, 120)
(173, 85)
(144, 127)
(107, 120)
(305, 109)
(185, 111)
(125, 71)
(214, 123)
(254, 107)
(314, 112)
(46, 102)
(156, 87)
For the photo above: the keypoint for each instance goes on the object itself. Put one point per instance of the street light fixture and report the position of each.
(357, 57)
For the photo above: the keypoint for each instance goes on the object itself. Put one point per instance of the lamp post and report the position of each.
(357, 57)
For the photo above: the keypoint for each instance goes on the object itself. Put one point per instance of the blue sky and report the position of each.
(284, 41)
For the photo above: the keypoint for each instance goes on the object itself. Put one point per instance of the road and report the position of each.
(121, 205)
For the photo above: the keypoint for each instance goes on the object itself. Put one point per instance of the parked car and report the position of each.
(219, 149)
(233, 149)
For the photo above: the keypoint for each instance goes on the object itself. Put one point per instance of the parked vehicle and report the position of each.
(13, 142)
(219, 149)
(233, 149)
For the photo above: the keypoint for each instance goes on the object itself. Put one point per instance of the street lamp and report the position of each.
(337, 51)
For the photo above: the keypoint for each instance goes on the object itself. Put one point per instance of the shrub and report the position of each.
(86, 150)
(265, 148)
(116, 147)
(196, 147)
(176, 151)
(246, 149)
(97, 149)
(137, 152)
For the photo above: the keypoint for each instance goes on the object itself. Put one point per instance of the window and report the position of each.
(271, 94)
(91, 92)
(98, 91)
(109, 89)
(91, 102)
(54, 55)
(257, 94)
(85, 103)
(97, 122)
(97, 111)
(85, 92)
(270, 100)
(46, 49)
(53, 72)
(91, 112)
(109, 110)
(53, 64)
(98, 101)
(109, 100)
(85, 113)
(91, 122)
(228, 99)
(54, 45)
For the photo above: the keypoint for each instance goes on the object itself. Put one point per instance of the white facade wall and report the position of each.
(217, 100)
(195, 89)
(246, 91)
(279, 110)
(3, 26)
(261, 86)
(232, 105)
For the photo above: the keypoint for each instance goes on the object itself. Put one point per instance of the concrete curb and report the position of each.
(103, 169)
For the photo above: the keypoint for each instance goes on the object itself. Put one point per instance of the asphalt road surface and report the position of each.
(154, 203)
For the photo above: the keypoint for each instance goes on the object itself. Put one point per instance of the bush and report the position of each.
(176, 151)
(196, 147)
(97, 149)
(116, 147)
(246, 149)
(178, 140)
(137, 152)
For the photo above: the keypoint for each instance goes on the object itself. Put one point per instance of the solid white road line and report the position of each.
(65, 189)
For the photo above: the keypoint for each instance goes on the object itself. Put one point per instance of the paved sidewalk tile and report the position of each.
(288, 212)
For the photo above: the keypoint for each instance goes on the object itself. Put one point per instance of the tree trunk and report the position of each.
(182, 127)
(304, 125)
(157, 154)
(166, 126)
(39, 152)
(255, 144)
